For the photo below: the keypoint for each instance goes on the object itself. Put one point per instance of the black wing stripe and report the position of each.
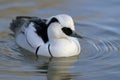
(36, 52)
(49, 50)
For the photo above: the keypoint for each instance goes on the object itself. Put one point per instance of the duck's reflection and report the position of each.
(59, 68)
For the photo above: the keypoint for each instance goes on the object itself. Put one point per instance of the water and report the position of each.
(98, 20)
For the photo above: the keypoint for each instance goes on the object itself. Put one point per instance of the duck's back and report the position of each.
(30, 32)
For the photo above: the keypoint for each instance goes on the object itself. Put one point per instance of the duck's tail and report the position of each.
(19, 21)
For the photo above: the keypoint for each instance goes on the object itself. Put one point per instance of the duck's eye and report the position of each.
(67, 31)
(53, 20)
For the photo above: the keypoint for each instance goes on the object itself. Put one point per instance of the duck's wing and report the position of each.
(33, 28)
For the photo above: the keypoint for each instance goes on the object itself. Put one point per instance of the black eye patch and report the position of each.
(53, 20)
(67, 31)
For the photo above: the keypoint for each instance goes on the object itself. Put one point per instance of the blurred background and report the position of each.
(98, 20)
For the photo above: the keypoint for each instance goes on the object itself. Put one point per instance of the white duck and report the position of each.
(52, 37)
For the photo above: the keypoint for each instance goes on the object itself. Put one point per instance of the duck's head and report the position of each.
(61, 26)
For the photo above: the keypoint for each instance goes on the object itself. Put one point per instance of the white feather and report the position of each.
(32, 37)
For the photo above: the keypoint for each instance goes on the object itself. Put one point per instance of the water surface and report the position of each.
(98, 20)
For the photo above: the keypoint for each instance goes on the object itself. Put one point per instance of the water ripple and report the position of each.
(99, 42)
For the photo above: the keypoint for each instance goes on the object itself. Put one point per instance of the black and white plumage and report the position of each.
(52, 37)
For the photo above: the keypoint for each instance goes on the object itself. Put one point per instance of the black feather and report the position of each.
(41, 27)
(67, 31)
(52, 21)
(41, 30)
(39, 24)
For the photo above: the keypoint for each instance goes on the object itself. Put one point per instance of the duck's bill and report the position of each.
(74, 34)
